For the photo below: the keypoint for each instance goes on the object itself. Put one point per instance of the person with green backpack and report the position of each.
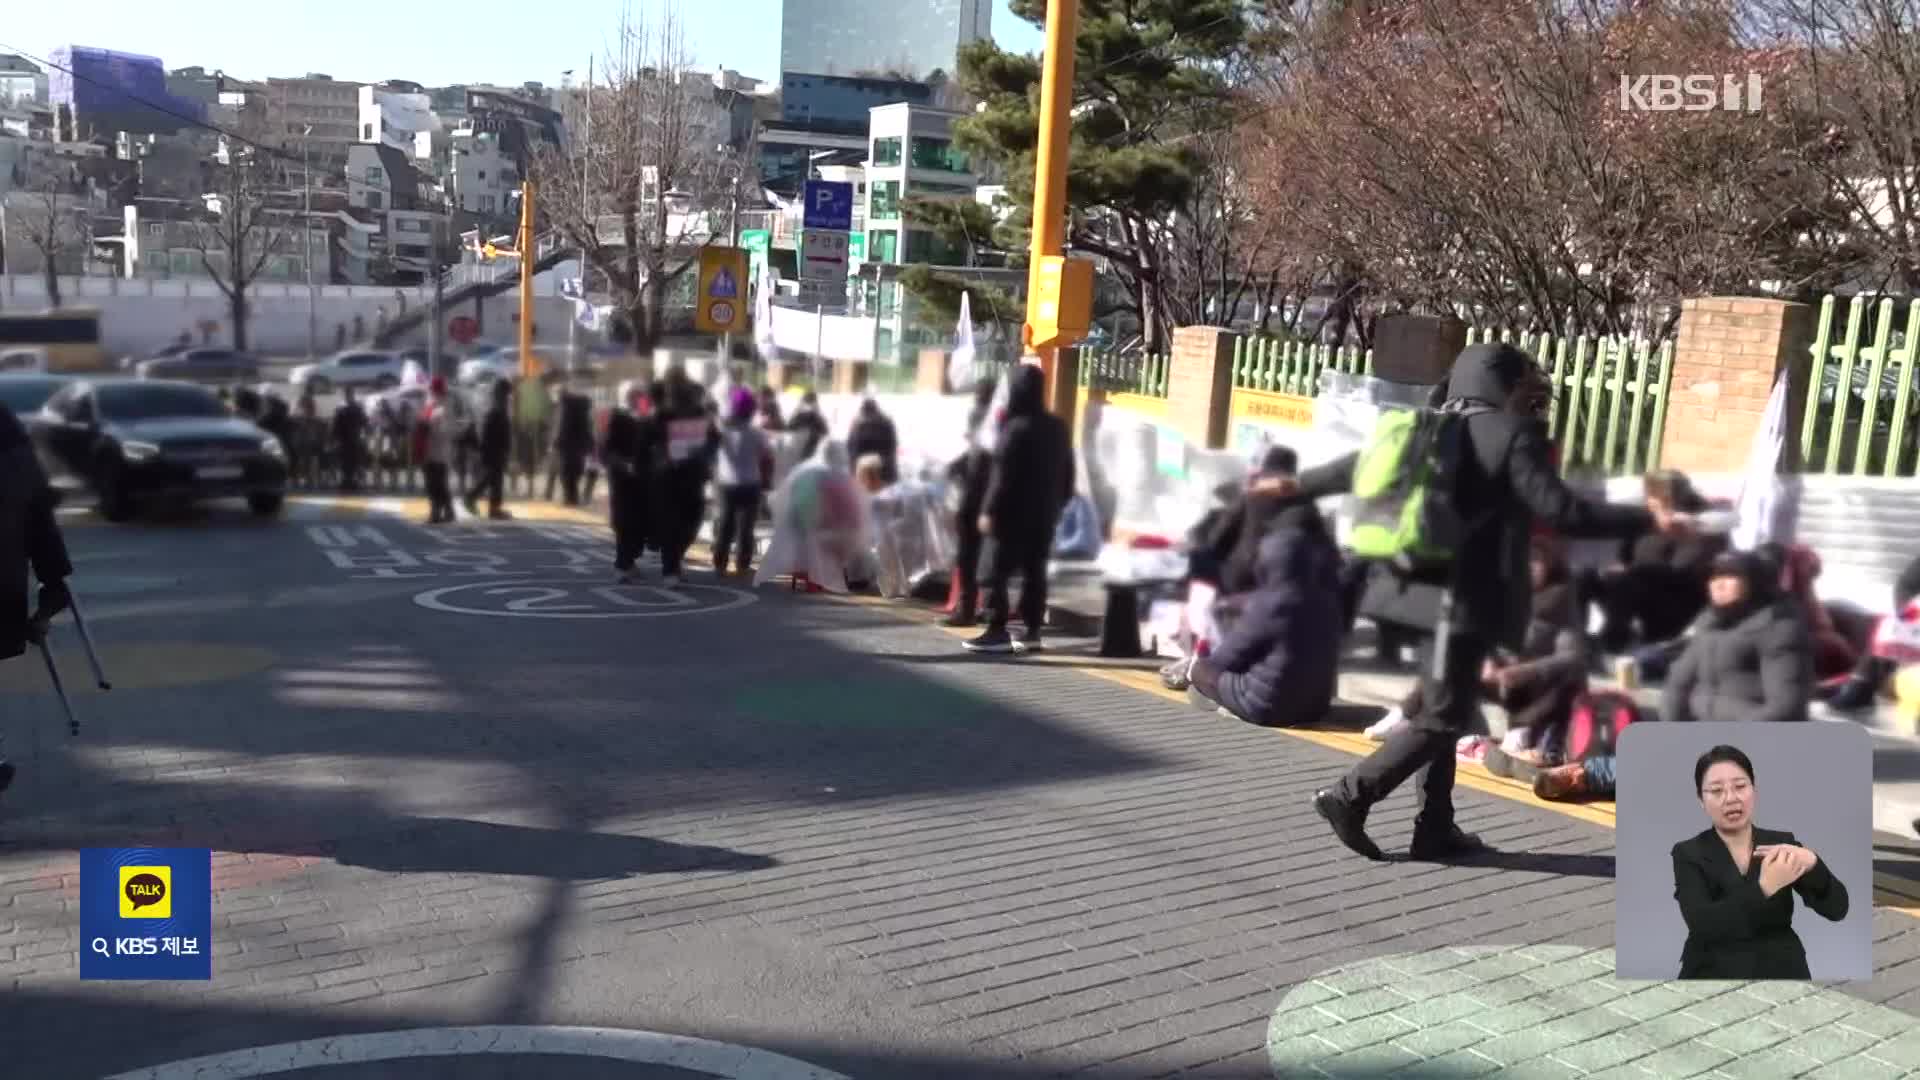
(1449, 496)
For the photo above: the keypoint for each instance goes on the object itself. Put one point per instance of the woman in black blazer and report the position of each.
(1735, 883)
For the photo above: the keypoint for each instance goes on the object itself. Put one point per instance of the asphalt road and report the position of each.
(455, 780)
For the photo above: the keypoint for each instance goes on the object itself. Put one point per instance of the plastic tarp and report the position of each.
(819, 522)
(914, 537)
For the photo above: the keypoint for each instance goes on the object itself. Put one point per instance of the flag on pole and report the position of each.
(960, 365)
(1766, 507)
(763, 314)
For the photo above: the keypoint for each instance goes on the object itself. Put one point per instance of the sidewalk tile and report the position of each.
(1747, 1036)
(1443, 1038)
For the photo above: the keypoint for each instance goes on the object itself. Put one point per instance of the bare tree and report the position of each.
(241, 228)
(648, 181)
(48, 215)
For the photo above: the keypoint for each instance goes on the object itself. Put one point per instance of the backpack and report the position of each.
(1599, 716)
(1403, 487)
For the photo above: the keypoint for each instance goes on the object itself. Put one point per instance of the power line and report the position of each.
(163, 110)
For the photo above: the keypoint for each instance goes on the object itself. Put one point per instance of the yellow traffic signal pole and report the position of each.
(1050, 162)
(528, 366)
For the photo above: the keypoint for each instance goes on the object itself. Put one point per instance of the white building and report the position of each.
(22, 83)
(399, 119)
(482, 176)
(911, 155)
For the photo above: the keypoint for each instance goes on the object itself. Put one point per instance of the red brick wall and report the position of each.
(1200, 384)
(1724, 365)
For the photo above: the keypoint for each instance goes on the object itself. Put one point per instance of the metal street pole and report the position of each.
(1050, 165)
(439, 292)
(528, 366)
(733, 240)
(306, 234)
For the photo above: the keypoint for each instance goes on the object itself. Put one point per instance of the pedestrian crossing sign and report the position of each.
(719, 310)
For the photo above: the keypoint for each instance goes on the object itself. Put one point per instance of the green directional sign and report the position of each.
(758, 243)
(857, 247)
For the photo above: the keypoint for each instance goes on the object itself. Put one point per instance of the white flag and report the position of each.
(1766, 510)
(960, 366)
(763, 314)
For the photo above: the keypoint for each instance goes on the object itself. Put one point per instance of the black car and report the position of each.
(136, 440)
(25, 393)
(213, 365)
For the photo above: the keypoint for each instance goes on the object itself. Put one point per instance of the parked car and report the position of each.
(355, 367)
(23, 359)
(505, 364)
(25, 392)
(211, 365)
(132, 441)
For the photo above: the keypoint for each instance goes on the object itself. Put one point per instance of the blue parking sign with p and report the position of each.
(828, 205)
(146, 913)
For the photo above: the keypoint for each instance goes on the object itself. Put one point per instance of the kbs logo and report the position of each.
(146, 892)
(1690, 93)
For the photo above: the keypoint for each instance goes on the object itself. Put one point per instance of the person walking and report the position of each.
(350, 439)
(496, 448)
(743, 468)
(1031, 480)
(967, 479)
(439, 430)
(808, 425)
(572, 444)
(627, 486)
(1505, 480)
(29, 541)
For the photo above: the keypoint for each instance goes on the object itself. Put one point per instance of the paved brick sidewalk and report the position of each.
(803, 826)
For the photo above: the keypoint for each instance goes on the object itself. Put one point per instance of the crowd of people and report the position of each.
(1730, 634)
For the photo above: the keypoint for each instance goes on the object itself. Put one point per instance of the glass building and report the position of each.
(911, 38)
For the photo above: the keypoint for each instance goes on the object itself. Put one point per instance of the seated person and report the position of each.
(1539, 685)
(1833, 654)
(1750, 656)
(1871, 674)
(1589, 779)
(1278, 665)
(1660, 583)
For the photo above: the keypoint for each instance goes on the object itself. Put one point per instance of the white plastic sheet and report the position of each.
(914, 537)
(820, 523)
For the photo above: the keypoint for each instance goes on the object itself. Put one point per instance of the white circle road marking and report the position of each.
(434, 600)
(719, 1059)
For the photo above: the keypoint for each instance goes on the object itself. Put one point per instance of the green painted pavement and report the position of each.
(1542, 1011)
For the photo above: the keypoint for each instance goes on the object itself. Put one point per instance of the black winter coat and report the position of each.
(29, 537)
(1734, 931)
(1033, 471)
(1758, 666)
(496, 436)
(1280, 662)
(875, 434)
(1507, 480)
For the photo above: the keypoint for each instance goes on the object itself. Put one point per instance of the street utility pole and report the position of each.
(1050, 164)
(306, 234)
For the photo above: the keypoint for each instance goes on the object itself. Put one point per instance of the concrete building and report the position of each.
(910, 38)
(399, 118)
(317, 116)
(842, 103)
(911, 155)
(163, 241)
(22, 83)
(481, 177)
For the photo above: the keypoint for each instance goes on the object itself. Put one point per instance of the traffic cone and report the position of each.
(953, 593)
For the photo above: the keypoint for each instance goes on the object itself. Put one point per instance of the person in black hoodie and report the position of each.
(626, 493)
(350, 439)
(1279, 665)
(1506, 479)
(29, 540)
(496, 449)
(807, 422)
(684, 442)
(969, 475)
(1750, 656)
(572, 444)
(1029, 485)
(873, 433)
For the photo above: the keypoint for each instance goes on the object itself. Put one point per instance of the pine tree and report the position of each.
(1148, 75)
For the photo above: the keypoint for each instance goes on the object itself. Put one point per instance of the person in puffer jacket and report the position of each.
(1278, 666)
(1750, 656)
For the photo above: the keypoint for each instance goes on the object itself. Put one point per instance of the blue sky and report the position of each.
(433, 43)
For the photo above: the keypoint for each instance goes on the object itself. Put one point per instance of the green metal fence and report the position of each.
(1609, 397)
(1125, 373)
(1292, 367)
(1609, 394)
(1862, 409)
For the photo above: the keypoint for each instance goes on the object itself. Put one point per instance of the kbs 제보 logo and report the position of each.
(146, 892)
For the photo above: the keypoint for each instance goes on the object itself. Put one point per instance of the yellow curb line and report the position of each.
(1890, 893)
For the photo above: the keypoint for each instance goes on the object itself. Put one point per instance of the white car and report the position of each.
(356, 368)
(491, 368)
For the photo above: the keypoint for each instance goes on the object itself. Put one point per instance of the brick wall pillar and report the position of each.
(931, 377)
(1063, 391)
(1200, 383)
(849, 377)
(779, 374)
(1729, 353)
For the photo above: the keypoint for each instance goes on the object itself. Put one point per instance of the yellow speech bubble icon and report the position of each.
(146, 892)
